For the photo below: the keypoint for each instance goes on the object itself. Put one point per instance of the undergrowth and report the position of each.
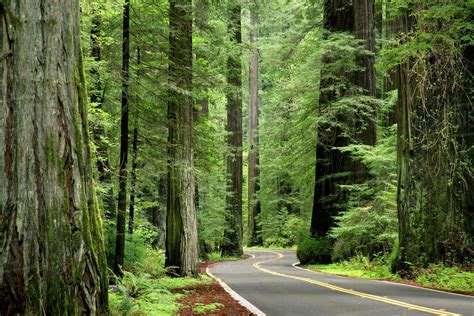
(436, 276)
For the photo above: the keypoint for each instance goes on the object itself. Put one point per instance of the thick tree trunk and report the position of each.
(233, 231)
(122, 196)
(333, 167)
(254, 237)
(51, 246)
(435, 184)
(364, 30)
(181, 222)
(98, 131)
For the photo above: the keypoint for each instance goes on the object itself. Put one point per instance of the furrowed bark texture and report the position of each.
(435, 184)
(51, 247)
(122, 196)
(181, 222)
(232, 245)
(254, 237)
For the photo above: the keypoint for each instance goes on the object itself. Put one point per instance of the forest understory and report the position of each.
(141, 141)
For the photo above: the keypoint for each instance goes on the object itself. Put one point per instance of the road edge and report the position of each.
(242, 301)
(295, 265)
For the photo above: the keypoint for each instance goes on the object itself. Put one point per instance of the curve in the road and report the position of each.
(350, 291)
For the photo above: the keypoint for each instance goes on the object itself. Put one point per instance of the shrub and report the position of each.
(313, 250)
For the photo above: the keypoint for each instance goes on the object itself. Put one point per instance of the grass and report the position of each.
(271, 248)
(206, 308)
(217, 257)
(435, 276)
(446, 278)
(359, 267)
(178, 283)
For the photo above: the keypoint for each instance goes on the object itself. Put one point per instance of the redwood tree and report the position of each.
(122, 196)
(51, 247)
(334, 167)
(254, 208)
(233, 231)
(181, 223)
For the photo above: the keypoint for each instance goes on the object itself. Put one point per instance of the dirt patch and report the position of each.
(208, 294)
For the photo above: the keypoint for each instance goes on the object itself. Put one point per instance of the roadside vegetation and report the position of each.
(437, 276)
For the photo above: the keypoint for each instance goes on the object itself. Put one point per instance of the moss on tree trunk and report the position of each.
(51, 247)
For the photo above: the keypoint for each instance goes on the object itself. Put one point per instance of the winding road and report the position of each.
(271, 282)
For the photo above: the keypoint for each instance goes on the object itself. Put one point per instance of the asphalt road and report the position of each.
(271, 283)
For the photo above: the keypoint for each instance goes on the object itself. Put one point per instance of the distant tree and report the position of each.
(254, 208)
(98, 130)
(122, 196)
(51, 246)
(233, 232)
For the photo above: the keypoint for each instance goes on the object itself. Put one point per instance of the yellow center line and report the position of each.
(439, 312)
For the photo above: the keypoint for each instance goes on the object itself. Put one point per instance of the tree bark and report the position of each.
(122, 196)
(333, 167)
(435, 185)
(181, 222)
(233, 230)
(254, 237)
(131, 214)
(51, 246)
(339, 17)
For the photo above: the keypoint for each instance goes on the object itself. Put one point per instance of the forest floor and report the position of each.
(209, 299)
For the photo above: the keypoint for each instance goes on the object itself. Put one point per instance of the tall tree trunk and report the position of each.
(364, 30)
(181, 222)
(333, 167)
(51, 246)
(159, 213)
(131, 214)
(133, 179)
(254, 208)
(339, 17)
(122, 196)
(98, 131)
(233, 231)
(435, 184)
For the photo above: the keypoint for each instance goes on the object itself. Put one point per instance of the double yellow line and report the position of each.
(409, 306)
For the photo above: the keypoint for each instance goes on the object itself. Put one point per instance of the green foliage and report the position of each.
(172, 283)
(314, 250)
(217, 256)
(141, 294)
(442, 277)
(434, 276)
(369, 223)
(359, 266)
(206, 308)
